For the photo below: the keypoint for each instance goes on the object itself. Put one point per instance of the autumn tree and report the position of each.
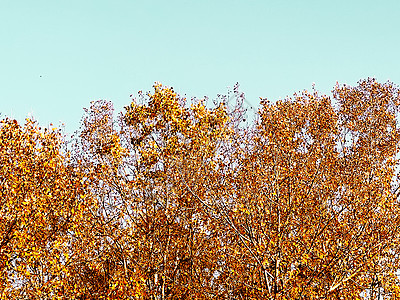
(141, 167)
(41, 202)
(316, 209)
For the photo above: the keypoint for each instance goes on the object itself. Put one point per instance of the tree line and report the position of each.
(184, 199)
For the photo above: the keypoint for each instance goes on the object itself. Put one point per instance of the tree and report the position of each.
(41, 203)
(316, 210)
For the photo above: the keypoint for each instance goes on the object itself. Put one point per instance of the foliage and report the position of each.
(178, 199)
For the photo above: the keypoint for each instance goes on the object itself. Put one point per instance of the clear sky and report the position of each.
(58, 55)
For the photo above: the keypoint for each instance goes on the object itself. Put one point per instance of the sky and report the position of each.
(57, 56)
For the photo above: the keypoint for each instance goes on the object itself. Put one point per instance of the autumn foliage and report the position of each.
(179, 199)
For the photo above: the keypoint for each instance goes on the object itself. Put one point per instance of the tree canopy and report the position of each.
(184, 199)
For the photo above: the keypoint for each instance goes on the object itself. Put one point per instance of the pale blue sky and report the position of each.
(87, 50)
